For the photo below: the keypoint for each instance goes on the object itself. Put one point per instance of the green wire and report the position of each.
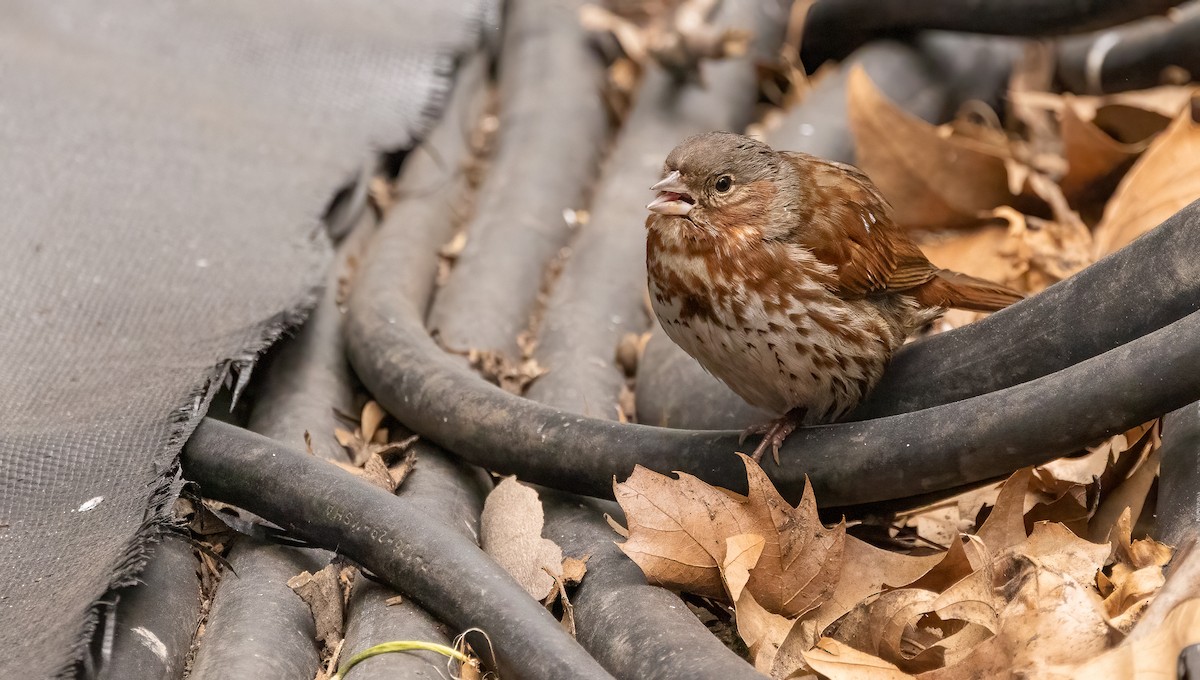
(400, 646)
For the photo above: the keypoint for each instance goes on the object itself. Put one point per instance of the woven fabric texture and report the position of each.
(163, 170)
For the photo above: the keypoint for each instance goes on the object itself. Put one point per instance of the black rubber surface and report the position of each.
(1178, 509)
(449, 492)
(392, 537)
(836, 27)
(157, 617)
(1132, 57)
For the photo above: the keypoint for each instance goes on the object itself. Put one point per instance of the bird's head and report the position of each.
(719, 183)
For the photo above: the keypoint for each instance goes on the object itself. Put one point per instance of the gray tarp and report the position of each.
(163, 167)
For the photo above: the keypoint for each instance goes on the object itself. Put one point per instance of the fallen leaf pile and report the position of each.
(1064, 181)
(373, 456)
(1018, 595)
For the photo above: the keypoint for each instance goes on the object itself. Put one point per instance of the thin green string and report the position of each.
(400, 646)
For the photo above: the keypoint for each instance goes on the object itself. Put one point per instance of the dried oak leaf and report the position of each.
(1127, 497)
(943, 521)
(1137, 574)
(933, 178)
(833, 659)
(1155, 655)
(510, 530)
(762, 631)
(869, 571)
(679, 527)
(996, 601)
(1091, 153)
(1056, 547)
(1005, 526)
(1128, 117)
(1016, 616)
(1163, 181)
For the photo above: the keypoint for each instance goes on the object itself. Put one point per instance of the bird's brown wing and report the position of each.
(852, 230)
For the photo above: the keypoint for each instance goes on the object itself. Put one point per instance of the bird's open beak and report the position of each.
(673, 197)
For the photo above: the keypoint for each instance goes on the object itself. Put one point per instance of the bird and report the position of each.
(786, 277)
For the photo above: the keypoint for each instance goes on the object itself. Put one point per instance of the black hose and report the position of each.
(1178, 508)
(157, 617)
(449, 492)
(835, 28)
(441, 570)
(553, 125)
(1132, 57)
(258, 627)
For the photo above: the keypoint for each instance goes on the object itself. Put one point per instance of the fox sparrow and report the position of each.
(784, 276)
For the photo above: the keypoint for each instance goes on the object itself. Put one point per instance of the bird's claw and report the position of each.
(774, 435)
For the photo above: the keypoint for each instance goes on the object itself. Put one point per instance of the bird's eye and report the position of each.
(724, 183)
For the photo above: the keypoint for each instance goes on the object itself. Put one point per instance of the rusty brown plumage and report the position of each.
(784, 275)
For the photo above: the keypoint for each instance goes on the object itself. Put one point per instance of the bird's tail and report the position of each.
(954, 290)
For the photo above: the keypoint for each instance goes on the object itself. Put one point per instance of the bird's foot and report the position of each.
(774, 433)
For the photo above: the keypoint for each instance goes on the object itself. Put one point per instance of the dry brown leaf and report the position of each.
(1055, 547)
(376, 472)
(512, 376)
(399, 471)
(1165, 102)
(1050, 619)
(1153, 656)
(833, 659)
(1090, 152)
(1163, 181)
(1145, 552)
(1005, 526)
(1137, 574)
(932, 178)
(966, 555)
(1084, 469)
(510, 530)
(678, 530)
(372, 417)
(346, 438)
(869, 571)
(943, 521)
(370, 439)
(1131, 591)
(568, 609)
(882, 626)
(1067, 502)
(574, 569)
(1128, 498)
(762, 631)
(742, 553)
(323, 594)
(1020, 617)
